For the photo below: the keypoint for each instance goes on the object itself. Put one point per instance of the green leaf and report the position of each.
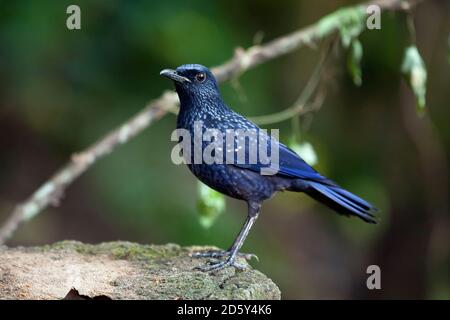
(349, 21)
(414, 69)
(354, 62)
(304, 150)
(210, 203)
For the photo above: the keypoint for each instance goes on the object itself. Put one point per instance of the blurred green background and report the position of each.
(61, 90)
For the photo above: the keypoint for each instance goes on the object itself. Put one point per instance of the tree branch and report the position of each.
(51, 191)
(299, 106)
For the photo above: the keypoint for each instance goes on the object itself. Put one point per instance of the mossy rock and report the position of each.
(122, 270)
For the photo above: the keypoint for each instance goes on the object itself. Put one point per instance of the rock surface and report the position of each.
(122, 270)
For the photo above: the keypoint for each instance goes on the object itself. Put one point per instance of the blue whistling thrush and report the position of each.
(201, 102)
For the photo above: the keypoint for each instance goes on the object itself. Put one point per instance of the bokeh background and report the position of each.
(61, 90)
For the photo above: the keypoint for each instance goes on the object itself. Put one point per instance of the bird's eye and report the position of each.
(200, 77)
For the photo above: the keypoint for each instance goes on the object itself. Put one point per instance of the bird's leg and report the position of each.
(233, 252)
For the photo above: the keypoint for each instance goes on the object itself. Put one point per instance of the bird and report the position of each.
(201, 102)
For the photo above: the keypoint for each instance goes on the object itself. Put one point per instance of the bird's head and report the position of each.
(192, 80)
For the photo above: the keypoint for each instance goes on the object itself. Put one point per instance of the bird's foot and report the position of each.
(223, 253)
(216, 266)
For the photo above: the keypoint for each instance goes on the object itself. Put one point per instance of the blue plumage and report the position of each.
(200, 101)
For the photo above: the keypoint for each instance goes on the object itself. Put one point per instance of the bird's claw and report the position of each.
(215, 264)
(230, 262)
(223, 253)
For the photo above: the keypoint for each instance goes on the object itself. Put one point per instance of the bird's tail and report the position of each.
(341, 200)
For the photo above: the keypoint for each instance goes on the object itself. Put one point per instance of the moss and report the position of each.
(137, 252)
(118, 250)
(137, 271)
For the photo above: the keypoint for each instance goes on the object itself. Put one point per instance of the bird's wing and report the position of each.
(290, 165)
